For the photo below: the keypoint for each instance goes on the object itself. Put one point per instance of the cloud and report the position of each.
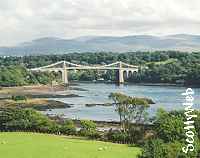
(24, 20)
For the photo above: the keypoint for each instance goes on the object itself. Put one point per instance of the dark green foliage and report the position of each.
(134, 136)
(68, 128)
(170, 126)
(94, 134)
(117, 136)
(88, 125)
(14, 76)
(129, 109)
(163, 67)
(174, 151)
(137, 135)
(154, 148)
(13, 119)
(87, 75)
(88, 128)
(19, 97)
(170, 136)
(193, 74)
(197, 123)
(24, 120)
(19, 76)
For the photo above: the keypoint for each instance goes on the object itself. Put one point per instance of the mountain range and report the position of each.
(52, 45)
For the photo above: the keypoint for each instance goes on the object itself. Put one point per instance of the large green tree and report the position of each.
(130, 109)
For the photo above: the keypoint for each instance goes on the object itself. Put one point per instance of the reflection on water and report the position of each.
(167, 97)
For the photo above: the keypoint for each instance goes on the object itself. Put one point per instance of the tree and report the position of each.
(12, 119)
(163, 67)
(129, 109)
(170, 137)
(169, 126)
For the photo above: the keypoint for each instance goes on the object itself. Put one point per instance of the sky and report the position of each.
(25, 20)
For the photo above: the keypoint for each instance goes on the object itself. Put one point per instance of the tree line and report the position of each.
(163, 66)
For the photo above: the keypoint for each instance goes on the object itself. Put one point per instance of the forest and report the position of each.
(171, 67)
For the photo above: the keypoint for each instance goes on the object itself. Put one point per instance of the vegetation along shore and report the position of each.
(23, 94)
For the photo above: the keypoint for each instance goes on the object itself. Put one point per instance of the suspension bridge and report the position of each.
(65, 66)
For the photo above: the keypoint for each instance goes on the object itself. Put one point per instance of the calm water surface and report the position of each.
(167, 97)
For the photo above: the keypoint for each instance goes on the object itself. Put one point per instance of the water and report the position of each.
(167, 97)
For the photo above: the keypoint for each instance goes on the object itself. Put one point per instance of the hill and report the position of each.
(51, 45)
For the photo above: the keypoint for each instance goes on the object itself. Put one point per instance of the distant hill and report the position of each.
(51, 45)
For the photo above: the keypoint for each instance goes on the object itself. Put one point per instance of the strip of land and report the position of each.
(37, 91)
(37, 97)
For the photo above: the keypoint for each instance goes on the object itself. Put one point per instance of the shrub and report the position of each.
(88, 125)
(19, 97)
(154, 148)
(94, 134)
(68, 128)
(174, 151)
(169, 127)
(118, 137)
(88, 128)
(54, 128)
(24, 120)
(136, 134)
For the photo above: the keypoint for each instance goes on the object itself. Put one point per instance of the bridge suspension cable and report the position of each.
(120, 66)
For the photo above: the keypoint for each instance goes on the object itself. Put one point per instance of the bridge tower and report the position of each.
(63, 67)
(64, 74)
(121, 74)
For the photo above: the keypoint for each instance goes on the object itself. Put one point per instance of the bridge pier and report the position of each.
(65, 77)
(119, 67)
(121, 76)
(64, 74)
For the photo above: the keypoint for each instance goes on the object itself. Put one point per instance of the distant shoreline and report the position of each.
(130, 83)
(76, 83)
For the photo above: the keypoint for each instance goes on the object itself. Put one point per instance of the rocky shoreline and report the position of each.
(96, 104)
(37, 104)
(39, 97)
(101, 125)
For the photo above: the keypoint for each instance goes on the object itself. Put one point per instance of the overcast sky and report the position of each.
(24, 20)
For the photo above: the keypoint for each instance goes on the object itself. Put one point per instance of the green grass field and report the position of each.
(30, 145)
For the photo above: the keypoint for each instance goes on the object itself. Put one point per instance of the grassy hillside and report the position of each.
(30, 145)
